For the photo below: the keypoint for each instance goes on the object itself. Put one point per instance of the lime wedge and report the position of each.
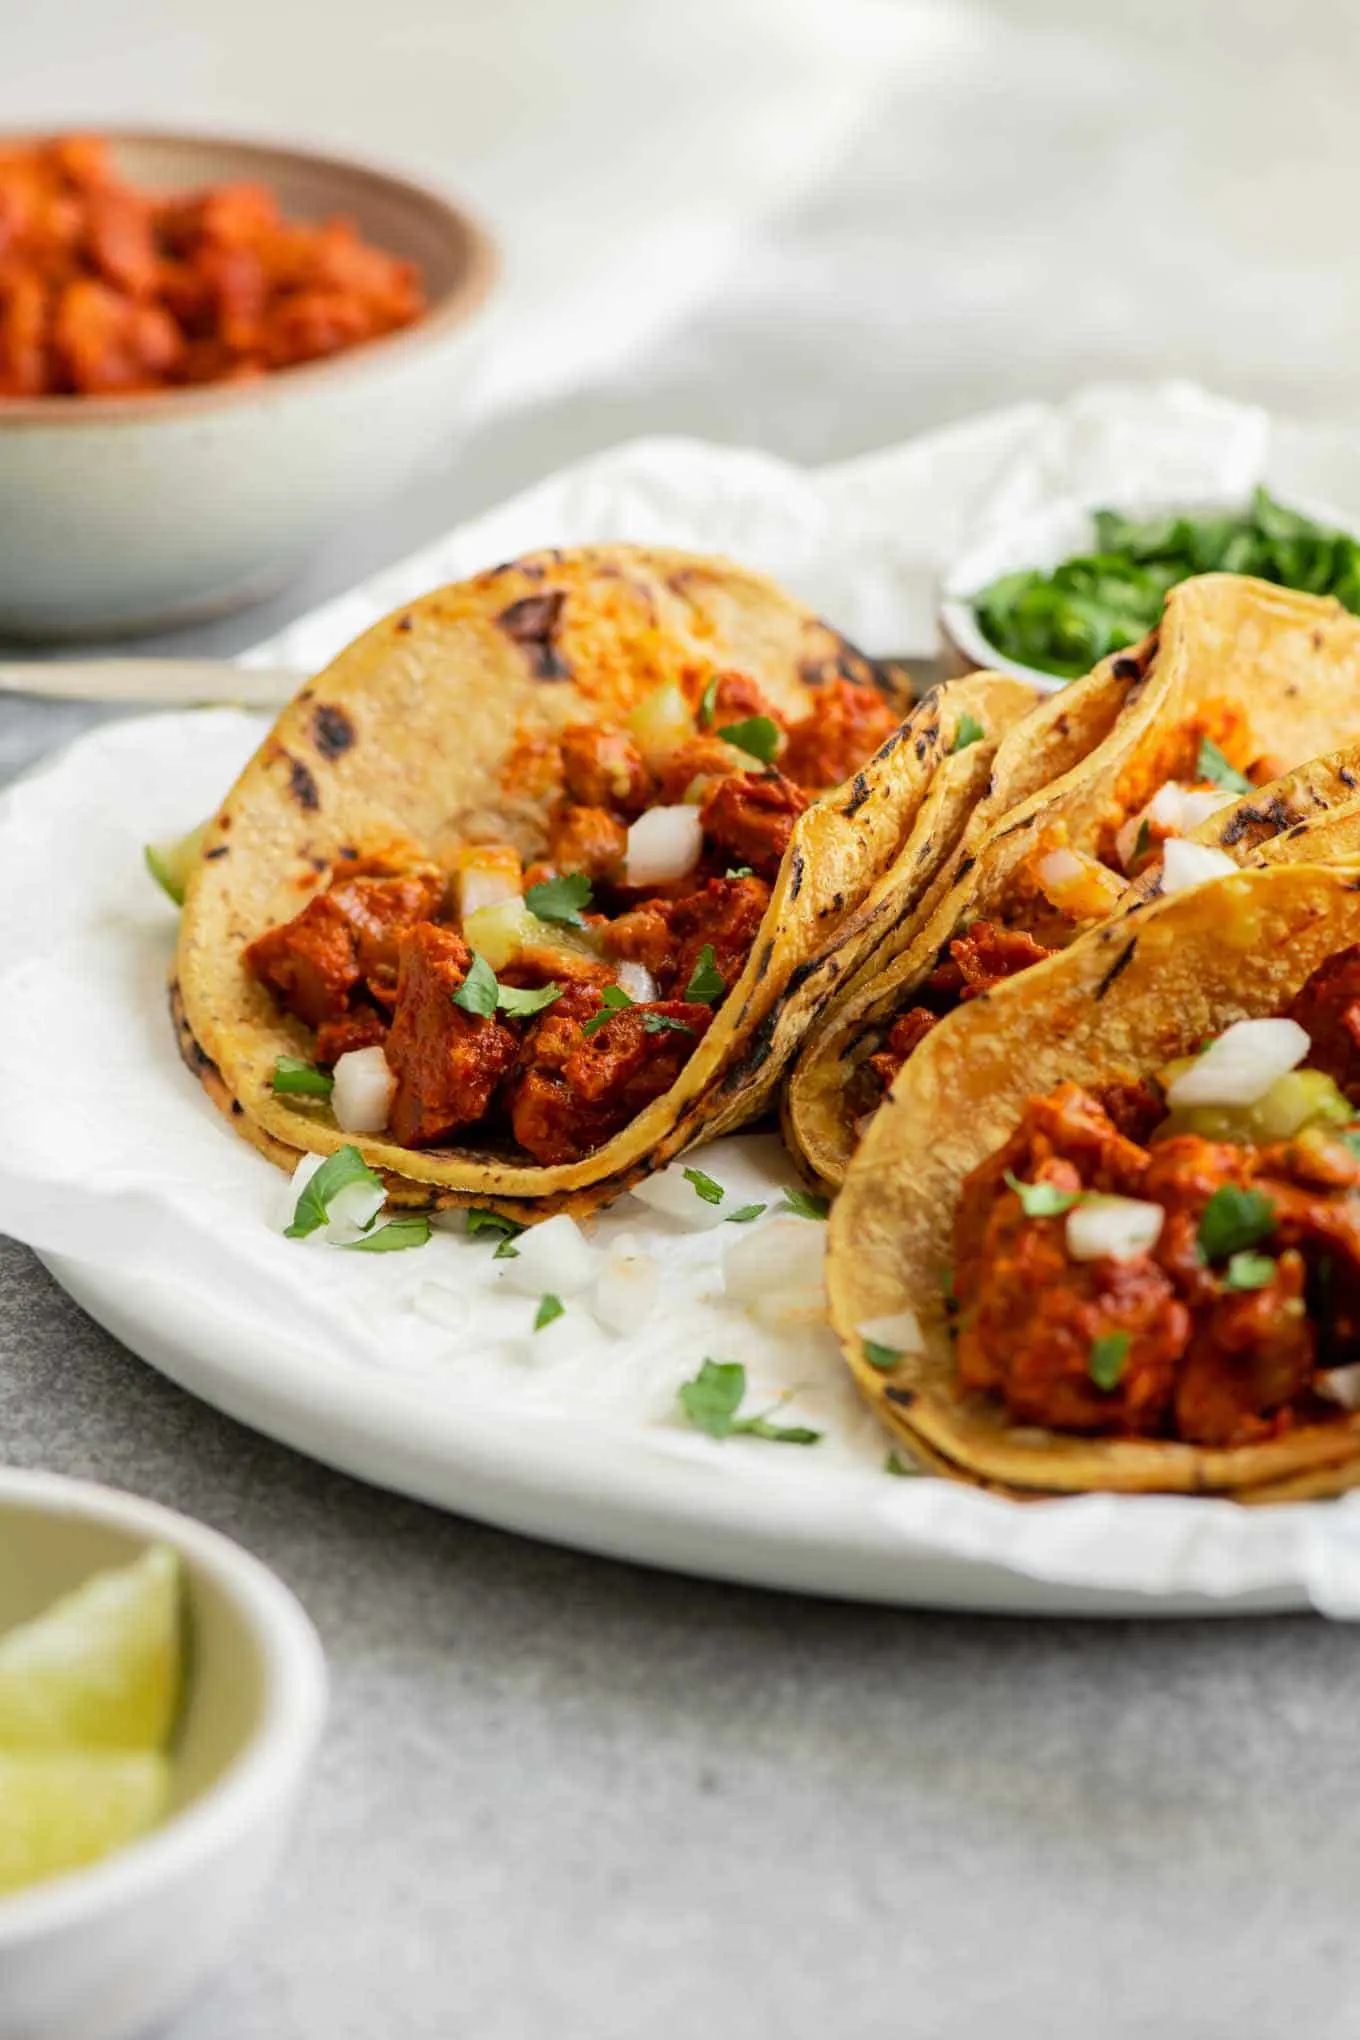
(60, 1809)
(100, 1669)
(171, 863)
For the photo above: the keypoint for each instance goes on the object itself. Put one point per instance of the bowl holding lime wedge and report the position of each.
(161, 1697)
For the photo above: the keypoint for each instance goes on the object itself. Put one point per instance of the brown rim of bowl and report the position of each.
(482, 266)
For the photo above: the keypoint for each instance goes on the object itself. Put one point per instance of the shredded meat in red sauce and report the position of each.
(374, 961)
(979, 959)
(1203, 1359)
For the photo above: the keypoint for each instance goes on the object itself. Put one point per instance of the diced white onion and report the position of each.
(1185, 864)
(627, 1287)
(661, 723)
(1113, 1228)
(671, 1193)
(1176, 810)
(778, 1267)
(1340, 1385)
(351, 1211)
(902, 1332)
(638, 982)
(552, 1259)
(1077, 885)
(665, 843)
(483, 886)
(442, 1306)
(1241, 1065)
(363, 1093)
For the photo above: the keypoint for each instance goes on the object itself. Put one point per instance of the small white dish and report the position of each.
(131, 513)
(1043, 541)
(105, 1952)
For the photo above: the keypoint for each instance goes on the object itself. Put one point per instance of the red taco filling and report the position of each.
(1168, 792)
(542, 1007)
(1177, 1259)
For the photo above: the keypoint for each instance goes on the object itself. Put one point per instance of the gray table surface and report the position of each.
(558, 1797)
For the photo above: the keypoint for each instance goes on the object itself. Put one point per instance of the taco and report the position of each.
(1243, 682)
(1105, 1232)
(544, 876)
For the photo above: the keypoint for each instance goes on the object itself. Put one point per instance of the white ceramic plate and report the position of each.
(166, 1228)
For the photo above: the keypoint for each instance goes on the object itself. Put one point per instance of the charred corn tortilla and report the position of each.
(432, 729)
(1289, 662)
(1118, 1003)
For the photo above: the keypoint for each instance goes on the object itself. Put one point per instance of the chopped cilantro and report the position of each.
(478, 992)
(506, 1250)
(519, 1004)
(903, 1468)
(294, 1077)
(969, 731)
(550, 1307)
(885, 1358)
(706, 981)
(662, 1023)
(712, 1399)
(1042, 1200)
(708, 701)
(807, 1203)
(746, 1214)
(739, 871)
(336, 1173)
(705, 1187)
(479, 1221)
(393, 1237)
(758, 735)
(1213, 766)
(1108, 1356)
(1249, 1271)
(560, 899)
(1234, 1219)
(1142, 842)
(614, 1000)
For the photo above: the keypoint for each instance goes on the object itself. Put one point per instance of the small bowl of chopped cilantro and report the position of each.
(1049, 599)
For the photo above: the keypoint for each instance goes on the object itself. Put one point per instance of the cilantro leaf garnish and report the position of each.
(549, 1308)
(712, 1399)
(506, 1251)
(708, 701)
(807, 1203)
(1213, 766)
(746, 1213)
(884, 1358)
(391, 1238)
(1142, 842)
(662, 1023)
(705, 1187)
(758, 735)
(1108, 1356)
(903, 1468)
(1232, 1220)
(518, 1004)
(336, 1173)
(739, 871)
(560, 899)
(482, 994)
(479, 1221)
(294, 1077)
(614, 1000)
(706, 981)
(478, 992)
(1042, 1200)
(969, 731)
(1249, 1271)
